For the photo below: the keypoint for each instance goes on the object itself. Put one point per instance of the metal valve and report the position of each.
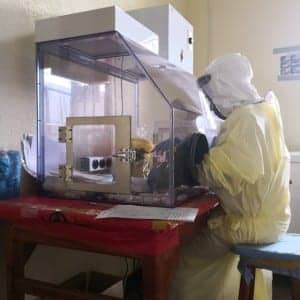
(126, 155)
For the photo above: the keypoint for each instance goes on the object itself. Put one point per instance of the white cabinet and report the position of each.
(97, 21)
(174, 31)
(295, 192)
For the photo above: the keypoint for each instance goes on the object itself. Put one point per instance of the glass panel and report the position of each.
(56, 95)
(153, 129)
(72, 89)
(159, 177)
(93, 149)
(176, 86)
(188, 149)
(96, 47)
(184, 127)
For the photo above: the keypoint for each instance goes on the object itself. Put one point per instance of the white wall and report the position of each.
(254, 28)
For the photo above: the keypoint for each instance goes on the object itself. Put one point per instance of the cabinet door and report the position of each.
(180, 41)
(98, 154)
(295, 195)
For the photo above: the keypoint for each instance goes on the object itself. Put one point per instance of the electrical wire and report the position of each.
(125, 276)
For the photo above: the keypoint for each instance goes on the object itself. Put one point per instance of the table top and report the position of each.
(78, 222)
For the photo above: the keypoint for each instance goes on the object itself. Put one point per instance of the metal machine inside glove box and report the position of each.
(105, 100)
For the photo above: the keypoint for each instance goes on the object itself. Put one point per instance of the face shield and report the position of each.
(202, 82)
(208, 123)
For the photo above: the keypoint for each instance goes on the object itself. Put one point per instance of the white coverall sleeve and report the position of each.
(237, 156)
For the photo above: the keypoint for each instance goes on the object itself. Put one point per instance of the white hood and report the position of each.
(230, 85)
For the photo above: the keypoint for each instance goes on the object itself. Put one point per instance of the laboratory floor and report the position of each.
(281, 290)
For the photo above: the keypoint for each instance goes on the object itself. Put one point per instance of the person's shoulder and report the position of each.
(245, 113)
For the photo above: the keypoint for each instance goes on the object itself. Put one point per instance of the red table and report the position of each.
(154, 243)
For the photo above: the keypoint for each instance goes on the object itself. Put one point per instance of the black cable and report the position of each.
(125, 276)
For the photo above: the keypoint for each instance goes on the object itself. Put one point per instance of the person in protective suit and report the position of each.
(248, 168)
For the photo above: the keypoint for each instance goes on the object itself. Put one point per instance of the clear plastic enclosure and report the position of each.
(109, 116)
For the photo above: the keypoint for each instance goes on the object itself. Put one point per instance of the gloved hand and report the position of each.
(158, 178)
(165, 145)
(188, 153)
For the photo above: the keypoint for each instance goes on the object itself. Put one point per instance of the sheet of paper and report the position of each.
(152, 213)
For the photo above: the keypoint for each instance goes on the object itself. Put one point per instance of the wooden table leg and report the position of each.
(247, 291)
(15, 264)
(295, 287)
(157, 275)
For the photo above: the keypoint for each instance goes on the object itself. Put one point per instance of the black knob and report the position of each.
(108, 162)
(102, 163)
(190, 40)
(181, 55)
(95, 164)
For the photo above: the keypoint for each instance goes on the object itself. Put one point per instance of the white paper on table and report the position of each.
(153, 213)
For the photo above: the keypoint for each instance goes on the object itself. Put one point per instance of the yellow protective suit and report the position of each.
(248, 168)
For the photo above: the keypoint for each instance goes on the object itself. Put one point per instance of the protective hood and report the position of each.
(230, 85)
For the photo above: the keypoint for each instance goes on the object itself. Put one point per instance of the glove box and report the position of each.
(106, 102)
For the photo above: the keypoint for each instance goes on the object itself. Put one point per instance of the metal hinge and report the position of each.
(65, 172)
(65, 134)
(126, 155)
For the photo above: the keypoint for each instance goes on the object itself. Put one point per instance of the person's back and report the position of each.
(254, 182)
